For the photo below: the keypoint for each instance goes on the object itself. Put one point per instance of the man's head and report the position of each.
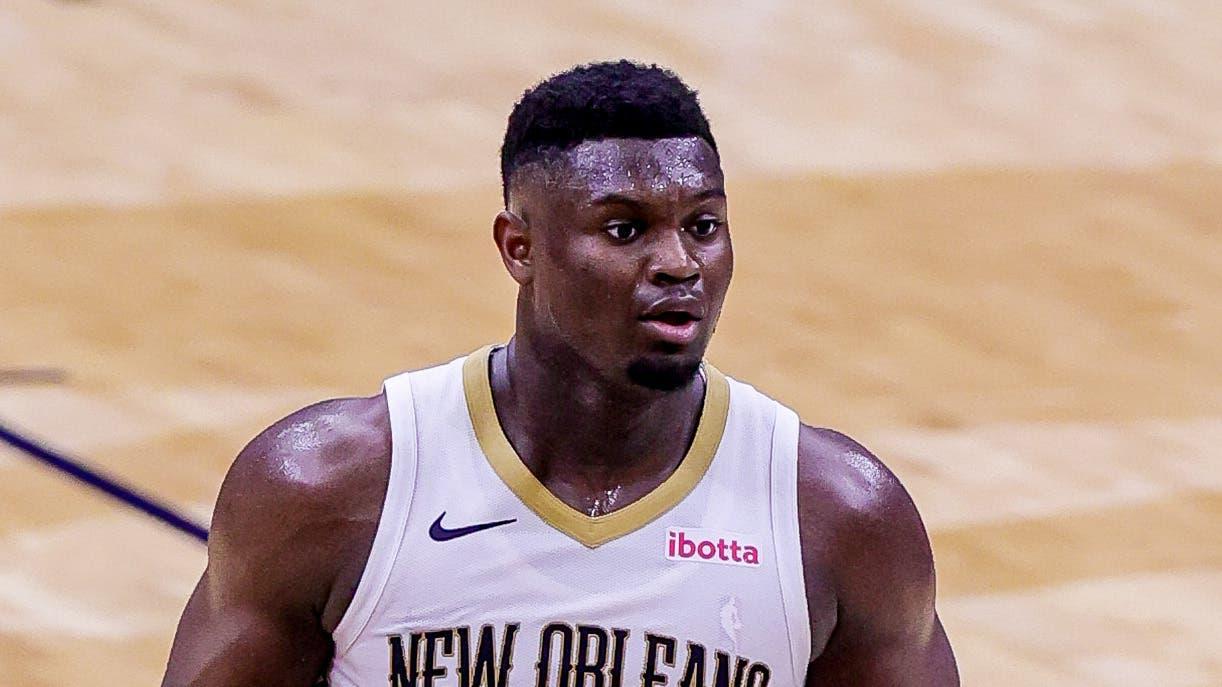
(615, 224)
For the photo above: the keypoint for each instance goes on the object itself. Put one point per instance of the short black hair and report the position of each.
(621, 99)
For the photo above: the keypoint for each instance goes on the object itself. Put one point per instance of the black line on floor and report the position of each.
(107, 485)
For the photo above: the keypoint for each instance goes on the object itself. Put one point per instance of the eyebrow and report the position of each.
(622, 199)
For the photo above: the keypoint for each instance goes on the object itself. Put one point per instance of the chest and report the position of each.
(487, 578)
(679, 601)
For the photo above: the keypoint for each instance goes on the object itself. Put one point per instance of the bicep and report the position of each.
(227, 639)
(254, 616)
(921, 657)
(861, 528)
(887, 631)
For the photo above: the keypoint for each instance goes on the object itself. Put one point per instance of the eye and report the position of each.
(623, 232)
(705, 227)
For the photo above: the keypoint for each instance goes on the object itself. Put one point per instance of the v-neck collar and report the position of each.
(590, 530)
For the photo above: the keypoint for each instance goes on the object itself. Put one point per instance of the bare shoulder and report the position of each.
(849, 485)
(313, 456)
(861, 530)
(868, 569)
(299, 507)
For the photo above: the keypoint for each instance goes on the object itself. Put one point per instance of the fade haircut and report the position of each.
(596, 101)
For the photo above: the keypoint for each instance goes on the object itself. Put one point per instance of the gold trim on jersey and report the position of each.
(592, 530)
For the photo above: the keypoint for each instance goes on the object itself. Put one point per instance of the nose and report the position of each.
(671, 260)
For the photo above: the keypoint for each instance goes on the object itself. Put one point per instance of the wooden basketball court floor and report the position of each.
(982, 237)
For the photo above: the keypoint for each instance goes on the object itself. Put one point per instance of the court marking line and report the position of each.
(98, 481)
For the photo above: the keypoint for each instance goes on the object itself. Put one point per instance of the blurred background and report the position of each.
(984, 237)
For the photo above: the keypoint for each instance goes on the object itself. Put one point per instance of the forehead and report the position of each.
(640, 167)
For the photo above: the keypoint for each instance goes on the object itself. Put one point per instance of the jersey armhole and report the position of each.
(786, 539)
(392, 523)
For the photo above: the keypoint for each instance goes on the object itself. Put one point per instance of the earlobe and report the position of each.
(512, 236)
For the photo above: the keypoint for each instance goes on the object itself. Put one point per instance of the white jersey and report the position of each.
(481, 577)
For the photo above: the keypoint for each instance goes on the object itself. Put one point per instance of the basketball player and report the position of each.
(590, 504)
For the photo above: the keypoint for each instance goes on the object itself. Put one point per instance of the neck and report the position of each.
(585, 436)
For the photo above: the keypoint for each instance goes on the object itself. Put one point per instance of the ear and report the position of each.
(512, 237)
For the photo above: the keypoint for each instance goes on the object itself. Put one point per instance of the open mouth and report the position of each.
(672, 327)
(671, 318)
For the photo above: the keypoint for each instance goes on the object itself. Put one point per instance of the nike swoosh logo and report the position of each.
(438, 532)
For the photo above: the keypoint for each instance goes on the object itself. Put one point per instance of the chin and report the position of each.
(664, 371)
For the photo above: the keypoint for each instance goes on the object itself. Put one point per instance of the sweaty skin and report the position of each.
(598, 240)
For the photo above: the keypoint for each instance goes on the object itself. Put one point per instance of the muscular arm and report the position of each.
(860, 527)
(292, 529)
